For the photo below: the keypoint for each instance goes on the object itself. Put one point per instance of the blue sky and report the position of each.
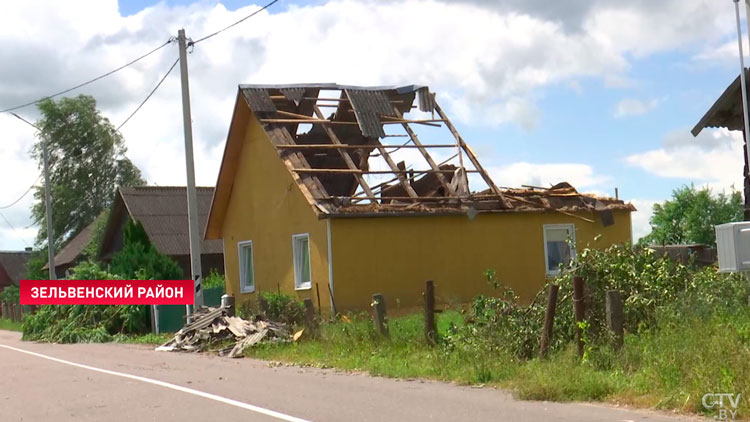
(599, 93)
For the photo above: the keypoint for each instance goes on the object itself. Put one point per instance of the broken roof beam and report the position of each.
(472, 157)
(359, 171)
(345, 155)
(430, 122)
(346, 146)
(394, 168)
(311, 187)
(435, 168)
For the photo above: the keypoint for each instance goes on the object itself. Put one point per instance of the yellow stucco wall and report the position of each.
(267, 207)
(395, 255)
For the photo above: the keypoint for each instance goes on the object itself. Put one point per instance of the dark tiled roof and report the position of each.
(162, 210)
(72, 250)
(14, 263)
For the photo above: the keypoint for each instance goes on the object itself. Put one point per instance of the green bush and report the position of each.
(283, 308)
(10, 294)
(651, 285)
(214, 280)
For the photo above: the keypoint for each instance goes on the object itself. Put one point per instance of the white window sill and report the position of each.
(304, 286)
(247, 289)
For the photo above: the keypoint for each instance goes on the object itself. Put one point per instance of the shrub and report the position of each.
(10, 294)
(214, 280)
(283, 308)
(651, 286)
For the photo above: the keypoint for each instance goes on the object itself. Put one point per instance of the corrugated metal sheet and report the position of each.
(293, 94)
(726, 111)
(259, 100)
(368, 106)
(426, 100)
(163, 213)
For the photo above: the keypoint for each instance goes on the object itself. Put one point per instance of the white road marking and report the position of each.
(210, 396)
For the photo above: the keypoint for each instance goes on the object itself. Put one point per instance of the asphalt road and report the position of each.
(111, 382)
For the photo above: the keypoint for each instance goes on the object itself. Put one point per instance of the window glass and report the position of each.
(557, 248)
(247, 273)
(302, 278)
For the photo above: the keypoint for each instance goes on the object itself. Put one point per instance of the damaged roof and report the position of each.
(726, 112)
(162, 210)
(359, 150)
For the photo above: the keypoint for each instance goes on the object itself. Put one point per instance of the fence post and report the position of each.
(615, 317)
(580, 311)
(310, 324)
(4, 308)
(430, 330)
(549, 320)
(381, 320)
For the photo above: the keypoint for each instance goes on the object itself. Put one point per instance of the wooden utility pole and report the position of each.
(48, 207)
(192, 195)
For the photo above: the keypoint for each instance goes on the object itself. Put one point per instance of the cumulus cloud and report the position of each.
(488, 61)
(633, 107)
(714, 158)
(581, 176)
(640, 219)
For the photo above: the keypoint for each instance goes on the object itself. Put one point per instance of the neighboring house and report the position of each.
(162, 211)
(13, 267)
(727, 113)
(71, 254)
(316, 206)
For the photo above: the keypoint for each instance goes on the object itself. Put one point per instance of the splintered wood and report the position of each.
(214, 327)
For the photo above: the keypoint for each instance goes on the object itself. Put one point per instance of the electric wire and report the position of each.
(191, 43)
(149, 95)
(23, 195)
(12, 227)
(130, 63)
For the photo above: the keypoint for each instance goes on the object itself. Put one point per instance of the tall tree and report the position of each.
(690, 216)
(87, 164)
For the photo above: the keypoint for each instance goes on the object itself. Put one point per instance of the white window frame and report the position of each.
(572, 230)
(298, 285)
(240, 247)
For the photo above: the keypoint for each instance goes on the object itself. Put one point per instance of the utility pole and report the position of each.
(48, 206)
(743, 86)
(192, 195)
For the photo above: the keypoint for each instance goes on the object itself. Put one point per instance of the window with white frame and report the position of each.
(559, 246)
(301, 256)
(247, 270)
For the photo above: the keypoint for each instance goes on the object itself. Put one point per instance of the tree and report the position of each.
(139, 259)
(690, 216)
(87, 164)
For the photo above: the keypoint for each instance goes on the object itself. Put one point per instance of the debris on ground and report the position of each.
(213, 326)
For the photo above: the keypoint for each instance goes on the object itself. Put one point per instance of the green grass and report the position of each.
(6, 324)
(667, 368)
(149, 338)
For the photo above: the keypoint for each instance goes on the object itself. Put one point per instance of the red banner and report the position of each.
(107, 292)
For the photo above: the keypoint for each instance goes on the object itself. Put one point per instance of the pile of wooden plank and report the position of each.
(212, 326)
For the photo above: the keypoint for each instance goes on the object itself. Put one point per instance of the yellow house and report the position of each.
(329, 192)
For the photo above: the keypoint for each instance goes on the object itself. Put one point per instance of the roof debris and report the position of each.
(346, 164)
(212, 326)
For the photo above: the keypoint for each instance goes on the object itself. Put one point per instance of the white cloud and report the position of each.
(581, 176)
(640, 219)
(633, 107)
(714, 158)
(488, 62)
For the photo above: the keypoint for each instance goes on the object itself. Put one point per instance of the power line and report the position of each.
(12, 228)
(24, 194)
(149, 94)
(170, 40)
(234, 24)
